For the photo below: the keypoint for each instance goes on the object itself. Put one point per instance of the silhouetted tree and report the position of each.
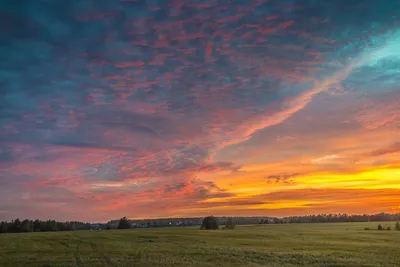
(124, 223)
(210, 223)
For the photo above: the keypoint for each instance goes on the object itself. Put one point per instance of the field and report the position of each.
(340, 244)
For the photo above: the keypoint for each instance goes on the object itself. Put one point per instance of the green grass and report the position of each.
(340, 244)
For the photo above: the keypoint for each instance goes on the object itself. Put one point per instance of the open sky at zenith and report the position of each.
(157, 108)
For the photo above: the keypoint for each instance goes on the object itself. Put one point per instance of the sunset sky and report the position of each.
(157, 108)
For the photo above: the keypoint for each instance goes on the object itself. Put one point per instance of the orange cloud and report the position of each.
(191, 107)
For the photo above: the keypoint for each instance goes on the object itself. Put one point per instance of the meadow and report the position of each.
(323, 244)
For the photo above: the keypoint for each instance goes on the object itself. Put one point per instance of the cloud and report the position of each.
(334, 194)
(287, 138)
(118, 92)
(329, 159)
(309, 200)
(393, 148)
(379, 114)
(282, 178)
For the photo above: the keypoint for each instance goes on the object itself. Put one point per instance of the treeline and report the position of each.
(341, 217)
(18, 226)
(320, 218)
(24, 226)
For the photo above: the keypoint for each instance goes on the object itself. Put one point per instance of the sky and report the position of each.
(188, 108)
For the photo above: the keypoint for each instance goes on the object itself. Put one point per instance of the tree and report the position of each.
(16, 226)
(210, 223)
(380, 227)
(229, 224)
(36, 225)
(3, 227)
(124, 223)
(26, 226)
(398, 225)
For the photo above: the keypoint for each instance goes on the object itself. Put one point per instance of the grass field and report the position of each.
(340, 244)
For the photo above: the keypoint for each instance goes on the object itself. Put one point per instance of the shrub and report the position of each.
(398, 226)
(389, 228)
(367, 228)
(210, 223)
(380, 227)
